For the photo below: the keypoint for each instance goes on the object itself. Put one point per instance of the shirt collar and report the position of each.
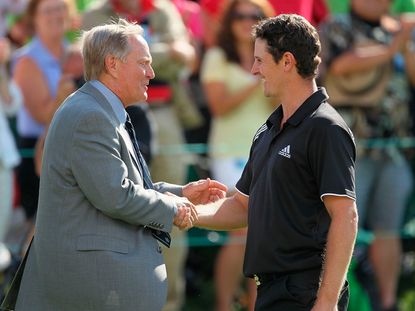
(113, 99)
(306, 109)
(275, 117)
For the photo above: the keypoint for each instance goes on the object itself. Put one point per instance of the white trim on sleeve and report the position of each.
(241, 192)
(337, 195)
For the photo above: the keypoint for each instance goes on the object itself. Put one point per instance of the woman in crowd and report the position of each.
(37, 71)
(238, 109)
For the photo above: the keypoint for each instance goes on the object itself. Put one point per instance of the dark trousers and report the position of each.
(28, 180)
(293, 292)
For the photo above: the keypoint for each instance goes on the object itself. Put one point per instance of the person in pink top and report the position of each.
(190, 12)
(238, 108)
(315, 11)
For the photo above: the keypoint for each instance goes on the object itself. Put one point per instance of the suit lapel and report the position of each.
(89, 89)
(130, 147)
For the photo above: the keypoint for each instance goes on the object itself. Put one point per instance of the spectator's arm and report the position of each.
(171, 38)
(166, 23)
(221, 101)
(367, 57)
(37, 99)
(214, 81)
(183, 52)
(361, 59)
(40, 144)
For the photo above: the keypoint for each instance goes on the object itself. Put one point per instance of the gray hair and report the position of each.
(104, 40)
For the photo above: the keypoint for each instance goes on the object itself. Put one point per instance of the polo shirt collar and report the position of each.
(306, 109)
(275, 117)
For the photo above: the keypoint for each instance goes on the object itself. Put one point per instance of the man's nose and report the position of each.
(150, 73)
(254, 69)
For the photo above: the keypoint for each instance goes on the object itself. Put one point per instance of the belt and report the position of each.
(262, 278)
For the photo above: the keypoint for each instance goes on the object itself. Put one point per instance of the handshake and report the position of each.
(186, 216)
(199, 192)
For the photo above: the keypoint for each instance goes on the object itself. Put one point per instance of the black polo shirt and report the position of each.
(288, 172)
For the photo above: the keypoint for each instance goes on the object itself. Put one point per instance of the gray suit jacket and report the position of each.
(92, 250)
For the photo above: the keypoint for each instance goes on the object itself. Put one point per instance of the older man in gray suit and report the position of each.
(99, 216)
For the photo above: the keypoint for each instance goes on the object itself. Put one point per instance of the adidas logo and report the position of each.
(285, 152)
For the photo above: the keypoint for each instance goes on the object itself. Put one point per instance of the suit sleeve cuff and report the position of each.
(166, 187)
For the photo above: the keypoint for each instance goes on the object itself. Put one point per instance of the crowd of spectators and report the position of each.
(204, 93)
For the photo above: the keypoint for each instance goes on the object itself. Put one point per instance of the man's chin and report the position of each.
(142, 98)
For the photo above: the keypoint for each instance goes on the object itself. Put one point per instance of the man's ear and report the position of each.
(288, 61)
(111, 65)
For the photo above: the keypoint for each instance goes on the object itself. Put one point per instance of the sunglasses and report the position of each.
(242, 17)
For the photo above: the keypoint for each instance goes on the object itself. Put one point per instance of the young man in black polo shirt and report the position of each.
(297, 192)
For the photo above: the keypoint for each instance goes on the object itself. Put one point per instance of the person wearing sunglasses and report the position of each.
(238, 108)
(297, 193)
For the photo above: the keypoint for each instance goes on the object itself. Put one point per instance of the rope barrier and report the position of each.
(372, 143)
(205, 238)
(180, 149)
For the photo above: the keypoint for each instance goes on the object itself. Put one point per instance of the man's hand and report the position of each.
(204, 191)
(186, 214)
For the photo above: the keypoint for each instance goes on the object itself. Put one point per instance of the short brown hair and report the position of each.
(292, 33)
